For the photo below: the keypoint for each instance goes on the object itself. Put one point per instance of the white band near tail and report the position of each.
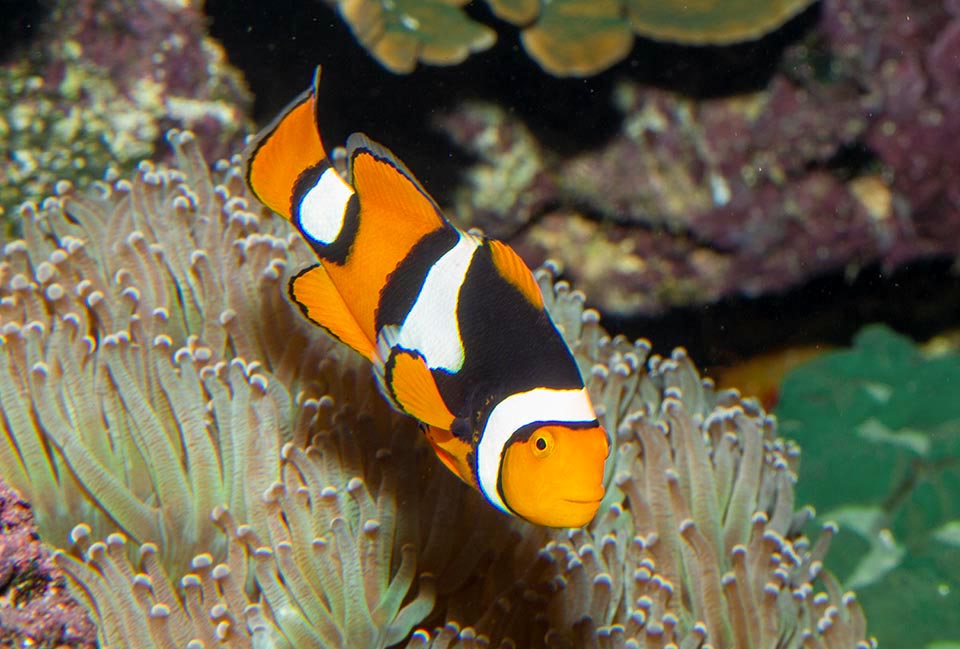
(515, 412)
(324, 206)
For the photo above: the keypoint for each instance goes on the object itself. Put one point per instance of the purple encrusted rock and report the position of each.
(906, 55)
(35, 608)
(161, 49)
(513, 185)
(847, 157)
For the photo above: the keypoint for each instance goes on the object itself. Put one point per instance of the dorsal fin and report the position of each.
(359, 144)
(511, 268)
(393, 214)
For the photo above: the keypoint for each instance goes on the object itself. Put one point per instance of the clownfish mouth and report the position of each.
(592, 501)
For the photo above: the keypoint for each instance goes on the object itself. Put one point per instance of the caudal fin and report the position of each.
(281, 152)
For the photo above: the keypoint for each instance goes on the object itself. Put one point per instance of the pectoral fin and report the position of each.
(413, 388)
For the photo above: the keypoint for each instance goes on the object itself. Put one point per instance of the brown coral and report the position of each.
(711, 22)
(400, 33)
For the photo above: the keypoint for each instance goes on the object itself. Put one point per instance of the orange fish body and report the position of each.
(453, 323)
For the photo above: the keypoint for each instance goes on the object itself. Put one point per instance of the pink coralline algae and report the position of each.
(845, 158)
(35, 608)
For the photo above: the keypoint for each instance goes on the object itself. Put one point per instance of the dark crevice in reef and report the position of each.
(19, 26)
(920, 300)
(278, 46)
(849, 161)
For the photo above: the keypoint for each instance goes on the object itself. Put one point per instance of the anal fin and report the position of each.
(318, 298)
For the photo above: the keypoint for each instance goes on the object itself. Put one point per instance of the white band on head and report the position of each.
(517, 411)
(323, 207)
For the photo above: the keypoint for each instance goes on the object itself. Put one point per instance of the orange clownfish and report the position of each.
(453, 323)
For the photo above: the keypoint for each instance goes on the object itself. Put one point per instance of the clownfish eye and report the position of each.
(542, 444)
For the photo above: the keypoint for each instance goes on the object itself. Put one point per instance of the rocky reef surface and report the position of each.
(840, 160)
(94, 83)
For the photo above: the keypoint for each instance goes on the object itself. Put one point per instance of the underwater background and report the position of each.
(772, 186)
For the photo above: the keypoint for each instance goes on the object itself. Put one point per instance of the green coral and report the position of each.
(880, 427)
(711, 22)
(578, 38)
(42, 141)
(401, 32)
(566, 37)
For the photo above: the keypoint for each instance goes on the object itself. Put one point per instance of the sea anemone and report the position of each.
(134, 400)
(253, 489)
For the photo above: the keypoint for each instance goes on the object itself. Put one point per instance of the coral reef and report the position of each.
(153, 371)
(106, 80)
(911, 86)
(35, 607)
(838, 162)
(890, 409)
(578, 38)
(710, 22)
(566, 37)
(180, 370)
(697, 542)
(512, 185)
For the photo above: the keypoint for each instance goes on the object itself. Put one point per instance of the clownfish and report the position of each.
(453, 323)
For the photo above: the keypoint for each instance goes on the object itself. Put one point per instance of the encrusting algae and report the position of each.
(251, 488)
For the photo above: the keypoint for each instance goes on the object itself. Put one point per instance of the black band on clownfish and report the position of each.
(453, 323)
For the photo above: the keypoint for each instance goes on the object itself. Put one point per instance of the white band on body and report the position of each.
(432, 327)
(515, 412)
